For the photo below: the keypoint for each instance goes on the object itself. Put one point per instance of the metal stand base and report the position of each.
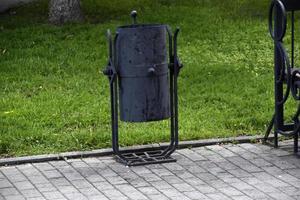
(144, 158)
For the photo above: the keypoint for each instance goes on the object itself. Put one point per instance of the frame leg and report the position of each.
(276, 139)
(269, 129)
(296, 142)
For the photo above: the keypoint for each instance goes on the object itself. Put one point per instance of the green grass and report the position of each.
(53, 97)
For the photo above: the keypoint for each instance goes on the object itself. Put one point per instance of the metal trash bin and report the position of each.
(143, 67)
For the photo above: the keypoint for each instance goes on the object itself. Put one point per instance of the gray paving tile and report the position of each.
(76, 196)
(192, 155)
(255, 194)
(230, 191)
(227, 165)
(53, 195)
(239, 173)
(31, 193)
(206, 176)
(81, 184)
(99, 197)
(139, 182)
(136, 195)
(94, 178)
(73, 176)
(157, 196)
(126, 188)
(183, 187)
(112, 193)
(60, 182)
(17, 178)
(170, 192)
(45, 187)
(43, 166)
(116, 180)
(67, 189)
(9, 191)
(151, 177)
(194, 181)
(180, 197)
(161, 184)
(196, 195)
(173, 166)
(149, 190)
(161, 172)
(243, 197)
(89, 192)
(38, 179)
(15, 197)
(280, 196)
(52, 174)
(4, 183)
(205, 189)
(218, 196)
(24, 185)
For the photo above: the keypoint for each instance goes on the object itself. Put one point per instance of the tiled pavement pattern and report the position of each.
(238, 172)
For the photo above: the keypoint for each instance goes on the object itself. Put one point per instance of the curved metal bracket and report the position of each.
(110, 69)
(277, 4)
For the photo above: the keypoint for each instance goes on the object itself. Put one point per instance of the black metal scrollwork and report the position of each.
(295, 84)
(285, 73)
(277, 37)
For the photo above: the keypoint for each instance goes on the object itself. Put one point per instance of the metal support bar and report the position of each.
(296, 142)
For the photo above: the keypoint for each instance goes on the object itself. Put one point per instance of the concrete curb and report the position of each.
(109, 152)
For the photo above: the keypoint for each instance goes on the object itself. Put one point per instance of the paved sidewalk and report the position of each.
(239, 172)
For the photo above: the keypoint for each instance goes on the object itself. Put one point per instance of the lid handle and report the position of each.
(133, 15)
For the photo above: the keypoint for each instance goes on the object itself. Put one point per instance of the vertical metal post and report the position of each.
(296, 134)
(172, 118)
(279, 116)
(112, 108)
(173, 129)
(296, 144)
(293, 39)
(176, 72)
(115, 130)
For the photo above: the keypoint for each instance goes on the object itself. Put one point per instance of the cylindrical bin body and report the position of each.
(142, 66)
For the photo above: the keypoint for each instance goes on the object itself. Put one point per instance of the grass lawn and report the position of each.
(54, 98)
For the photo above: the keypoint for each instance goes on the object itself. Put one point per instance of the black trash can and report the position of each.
(143, 67)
